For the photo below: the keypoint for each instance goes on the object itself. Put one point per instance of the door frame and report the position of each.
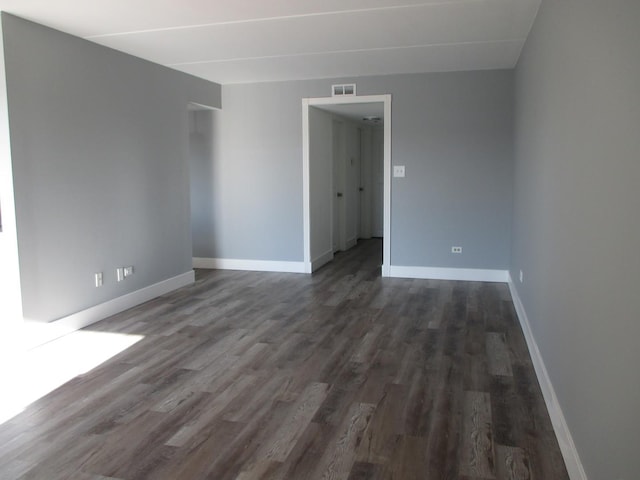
(386, 241)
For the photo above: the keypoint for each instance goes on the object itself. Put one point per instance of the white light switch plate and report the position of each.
(398, 171)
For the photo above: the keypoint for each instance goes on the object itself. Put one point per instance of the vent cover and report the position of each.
(346, 90)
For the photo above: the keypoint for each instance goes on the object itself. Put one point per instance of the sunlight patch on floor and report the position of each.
(29, 374)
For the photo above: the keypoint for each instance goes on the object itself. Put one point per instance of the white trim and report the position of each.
(65, 325)
(306, 195)
(386, 242)
(436, 273)
(560, 427)
(99, 312)
(321, 260)
(195, 106)
(306, 103)
(347, 100)
(250, 265)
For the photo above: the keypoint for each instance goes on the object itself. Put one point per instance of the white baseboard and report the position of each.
(352, 242)
(45, 332)
(250, 265)
(321, 260)
(91, 315)
(565, 440)
(435, 273)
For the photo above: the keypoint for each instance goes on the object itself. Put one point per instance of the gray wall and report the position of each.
(576, 225)
(452, 131)
(201, 172)
(377, 181)
(9, 272)
(99, 147)
(320, 186)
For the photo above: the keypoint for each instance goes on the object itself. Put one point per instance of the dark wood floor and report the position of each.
(338, 375)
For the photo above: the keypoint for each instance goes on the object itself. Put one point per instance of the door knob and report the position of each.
(339, 194)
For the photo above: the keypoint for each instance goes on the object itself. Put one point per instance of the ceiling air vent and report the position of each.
(348, 90)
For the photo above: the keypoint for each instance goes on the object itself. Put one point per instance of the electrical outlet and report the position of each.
(521, 276)
(128, 271)
(119, 274)
(456, 249)
(398, 171)
(98, 278)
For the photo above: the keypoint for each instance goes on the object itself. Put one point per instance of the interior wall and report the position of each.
(11, 308)
(99, 143)
(201, 152)
(377, 182)
(575, 222)
(452, 131)
(352, 180)
(320, 183)
(365, 180)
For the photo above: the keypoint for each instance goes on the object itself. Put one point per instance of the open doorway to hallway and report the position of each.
(358, 175)
(346, 172)
(202, 179)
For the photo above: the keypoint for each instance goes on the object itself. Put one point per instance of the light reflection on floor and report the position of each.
(28, 374)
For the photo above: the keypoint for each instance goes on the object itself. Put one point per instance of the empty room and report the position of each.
(384, 239)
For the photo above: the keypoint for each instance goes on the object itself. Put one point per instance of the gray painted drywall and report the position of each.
(320, 184)
(100, 162)
(201, 173)
(575, 223)
(351, 181)
(377, 182)
(11, 304)
(366, 165)
(452, 131)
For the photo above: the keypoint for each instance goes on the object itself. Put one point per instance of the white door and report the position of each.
(338, 186)
(358, 184)
(377, 184)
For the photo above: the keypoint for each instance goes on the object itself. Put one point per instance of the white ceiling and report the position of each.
(240, 41)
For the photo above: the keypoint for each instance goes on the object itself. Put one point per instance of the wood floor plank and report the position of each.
(478, 458)
(339, 374)
(512, 463)
(498, 355)
(213, 410)
(307, 452)
(295, 424)
(385, 429)
(339, 456)
(409, 461)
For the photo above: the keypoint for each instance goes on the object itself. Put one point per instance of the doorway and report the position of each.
(201, 121)
(322, 211)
